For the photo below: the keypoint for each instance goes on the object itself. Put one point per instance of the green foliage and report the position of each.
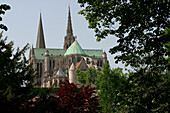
(91, 74)
(87, 77)
(3, 8)
(15, 73)
(143, 31)
(147, 92)
(110, 84)
(81, 76)
(138, 92)
(16, 76)
(140, 25)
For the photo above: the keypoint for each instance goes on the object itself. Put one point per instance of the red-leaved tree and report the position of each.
(71, 99)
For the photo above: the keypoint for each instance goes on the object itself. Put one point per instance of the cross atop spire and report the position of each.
(69, 25)
(40, 35)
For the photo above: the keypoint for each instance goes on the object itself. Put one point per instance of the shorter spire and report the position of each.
(69, 25)
(40, 36)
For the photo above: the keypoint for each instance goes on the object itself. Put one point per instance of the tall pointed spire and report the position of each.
(40, 35)
(69, 25)
(69, 38)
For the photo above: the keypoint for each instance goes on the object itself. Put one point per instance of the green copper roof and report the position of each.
(40, 52)
(75, 48)
(97, 53)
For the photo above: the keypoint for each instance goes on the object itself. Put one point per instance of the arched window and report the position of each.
(101, 63)
(50, 64)
(73, 60)
(40, 70)
(98, 63)
(53, 64)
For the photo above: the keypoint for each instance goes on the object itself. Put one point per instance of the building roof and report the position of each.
(75, 48)
(40, 52)
(97, 53)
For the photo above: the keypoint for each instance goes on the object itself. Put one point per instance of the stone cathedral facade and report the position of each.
(55, 65)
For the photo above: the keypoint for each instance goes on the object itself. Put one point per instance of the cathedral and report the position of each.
(55, 65)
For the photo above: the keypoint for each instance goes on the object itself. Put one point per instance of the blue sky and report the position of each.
(23, 19)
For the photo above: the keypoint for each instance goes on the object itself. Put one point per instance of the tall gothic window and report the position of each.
(73, 60)
(53, 64)
(101, 63)
(98, 62)
(38, 69)
(50, 64)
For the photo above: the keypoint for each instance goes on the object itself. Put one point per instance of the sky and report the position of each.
(23, 19)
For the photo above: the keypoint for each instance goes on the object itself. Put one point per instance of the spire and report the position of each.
(69, 38)
(69, 25)
(40, 36)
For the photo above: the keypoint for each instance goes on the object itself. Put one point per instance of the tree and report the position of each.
(73, 99)
(81, 76)
(110, 83)
(146, 92)
(142, 28)
(16, 77)
(87, 77)
(139, 25)
(91, 74)
(3, 8)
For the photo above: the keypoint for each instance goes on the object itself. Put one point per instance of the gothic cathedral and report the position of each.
(55, 65)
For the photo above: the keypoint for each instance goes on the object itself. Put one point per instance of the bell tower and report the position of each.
(69, 38)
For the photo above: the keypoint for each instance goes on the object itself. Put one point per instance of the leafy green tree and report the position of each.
(91, 75)
(16, 77)
(3, 8)
(140, 26)
(143, 31)
(87, 77)
(146, 93)
(110, 83)
(81, 76)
